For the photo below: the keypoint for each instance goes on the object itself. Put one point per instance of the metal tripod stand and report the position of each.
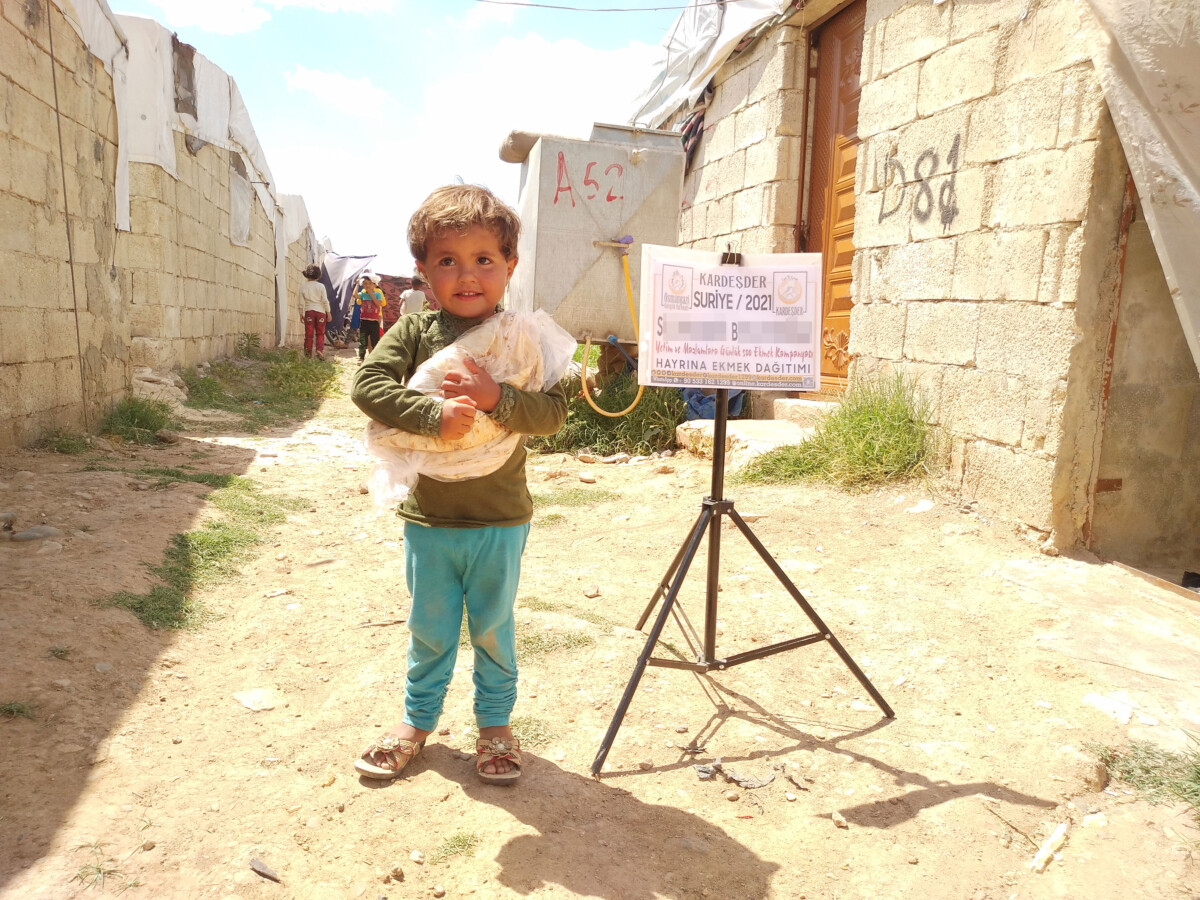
(712, 509)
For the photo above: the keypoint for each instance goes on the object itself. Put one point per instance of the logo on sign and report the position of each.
(790, 298)
(677, 287)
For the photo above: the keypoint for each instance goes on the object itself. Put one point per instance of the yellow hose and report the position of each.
(587, 350)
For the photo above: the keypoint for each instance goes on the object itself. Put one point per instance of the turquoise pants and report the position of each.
(447, 568)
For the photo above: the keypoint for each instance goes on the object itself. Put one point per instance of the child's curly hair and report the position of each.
(459, 206)
(312, 273)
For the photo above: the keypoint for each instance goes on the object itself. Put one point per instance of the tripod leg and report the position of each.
(685, 559)
(664, 585)
(812, 614)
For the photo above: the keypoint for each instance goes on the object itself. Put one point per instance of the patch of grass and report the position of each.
(100, 869)
(573, 497)
(60, 652)
(551, 519)
(14, 709)
(648, 428)
(533, 643)
(537, 604)
(213, 552)
(1155, 773)
(137, 421)
(249, 345)
(62, 441)
(458, 843)
(879, 433)
(273, 386)
(169, 476)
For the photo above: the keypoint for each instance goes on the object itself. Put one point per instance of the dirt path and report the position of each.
(1001, 665)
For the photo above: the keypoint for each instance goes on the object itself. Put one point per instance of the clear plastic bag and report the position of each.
(526, 350)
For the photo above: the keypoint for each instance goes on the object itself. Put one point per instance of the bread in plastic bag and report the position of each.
(526, 350)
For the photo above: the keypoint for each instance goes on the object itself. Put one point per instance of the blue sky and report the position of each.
(364, 106)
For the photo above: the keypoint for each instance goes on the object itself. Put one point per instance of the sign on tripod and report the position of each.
(753, 326)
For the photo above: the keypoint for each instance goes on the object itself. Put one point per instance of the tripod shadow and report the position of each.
(595, 840)
(884, 813)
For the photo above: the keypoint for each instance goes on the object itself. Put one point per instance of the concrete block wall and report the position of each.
(297, 259)
(64, 330)
(989, 187)
(194, 292)
(743, 184)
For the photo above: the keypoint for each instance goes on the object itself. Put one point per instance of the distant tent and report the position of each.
(340, 274)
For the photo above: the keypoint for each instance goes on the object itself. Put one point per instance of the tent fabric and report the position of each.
(702, 38)
(1148, 63)
(339, 274)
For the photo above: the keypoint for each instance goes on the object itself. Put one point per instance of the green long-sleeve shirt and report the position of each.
(380, 390)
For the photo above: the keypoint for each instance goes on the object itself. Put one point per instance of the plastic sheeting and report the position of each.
(702, 38)
(339, 274)
(1148, 62)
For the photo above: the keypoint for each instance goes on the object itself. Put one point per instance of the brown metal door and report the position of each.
(830, 215)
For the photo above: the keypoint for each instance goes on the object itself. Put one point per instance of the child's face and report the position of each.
(467, 271)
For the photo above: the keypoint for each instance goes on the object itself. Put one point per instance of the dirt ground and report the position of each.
(1001, 664)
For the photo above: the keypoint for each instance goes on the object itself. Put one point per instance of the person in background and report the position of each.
(314, 311)
(369, 301)
(413, 300)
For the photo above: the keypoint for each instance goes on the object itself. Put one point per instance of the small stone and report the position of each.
(681, 729)
(839, 820)
(37, 533)
(149, 845)
(587, 477)
(417, 856)
(341, 807)
(176, 740)
(103, 667)
(732, 796)
(444, 732)
(1006, 839)
(791, 798)
(586, 458)
(329, 780)
(912, 860)
(1095, 776)
(592, 591)
(646, 764)
(439, 891)
(663, 469)
(1095, 820)
(167, 436)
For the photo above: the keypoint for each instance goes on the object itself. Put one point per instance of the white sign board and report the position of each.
(753, 326)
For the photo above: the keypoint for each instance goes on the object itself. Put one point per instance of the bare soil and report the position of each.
(1001, 664)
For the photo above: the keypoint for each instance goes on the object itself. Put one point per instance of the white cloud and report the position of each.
(238, 16)
(354, 97)
(483, 15)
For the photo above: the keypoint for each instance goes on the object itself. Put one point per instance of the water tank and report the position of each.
(578, 199)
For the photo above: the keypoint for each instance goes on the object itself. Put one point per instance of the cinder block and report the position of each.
(25, 62)
(882, 218)
(974, 16)
(941, 332)
(35, 173)
(17, 232)
(781, 201)
(947, 205)
(1026, 339)
(774, 159)
(999, 265)
(889, 102)
(1044, 405)
(31, 119)
(958, 73)
(1043, 188)
(920, 271)
(22, 329)
(988, 405)
(928, 140)
(1083, 109)
(1017, 483)
(1061, 261)
(38, 390)
(1048, 40)
(790, 111)
(1021, 119)
(914, 32)
(877, 330)
(58, 336)
(748, 209)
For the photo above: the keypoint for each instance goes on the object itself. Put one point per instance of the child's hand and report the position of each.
(474, 383)
(458, 415)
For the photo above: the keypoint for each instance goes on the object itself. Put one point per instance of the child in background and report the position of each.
(314, 311)
(413, 300)
(463, 540)
(369, 300)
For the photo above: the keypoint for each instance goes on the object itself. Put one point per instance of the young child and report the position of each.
(370, 302)
(463, 540)
(314, 311)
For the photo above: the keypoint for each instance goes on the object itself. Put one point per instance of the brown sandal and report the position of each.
(387, 757)
(488, 750)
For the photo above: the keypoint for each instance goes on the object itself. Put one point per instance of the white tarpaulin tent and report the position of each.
(1148, 60)
(702, 38)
